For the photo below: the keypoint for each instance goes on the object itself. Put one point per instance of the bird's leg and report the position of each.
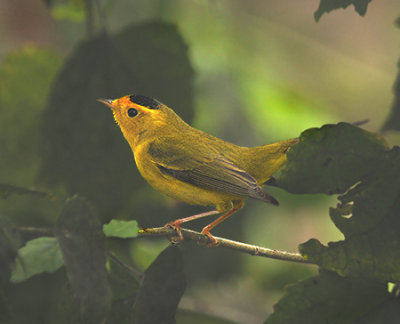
(238, 204)
(176, 224)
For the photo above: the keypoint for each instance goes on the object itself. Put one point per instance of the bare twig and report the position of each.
(36, 231)
(222, 242)
(197, 237)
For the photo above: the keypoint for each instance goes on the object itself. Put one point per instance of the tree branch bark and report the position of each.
(171, 234)
(255, 250)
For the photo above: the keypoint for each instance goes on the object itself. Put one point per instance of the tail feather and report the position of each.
(270, 200)
(265, 197)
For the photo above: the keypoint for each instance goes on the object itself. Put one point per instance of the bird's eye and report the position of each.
(132, 112)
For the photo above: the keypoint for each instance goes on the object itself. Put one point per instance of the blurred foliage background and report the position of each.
(248, 72)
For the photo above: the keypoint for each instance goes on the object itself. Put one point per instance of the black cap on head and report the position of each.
(145, 101)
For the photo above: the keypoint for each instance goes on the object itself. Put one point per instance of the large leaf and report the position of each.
(161, 289)
(83, 150)
(38, 255)
(83, 247)
(9, 242)
(393, 120)
(330, 159)
(159, 58)
(344, 159)
(124, 287)
(368, 216)
(8, 252)
(329, 298)
(326, 6)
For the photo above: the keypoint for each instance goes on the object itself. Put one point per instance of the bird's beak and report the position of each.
(107, 102)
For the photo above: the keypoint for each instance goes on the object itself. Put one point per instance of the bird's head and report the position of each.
(140, 116)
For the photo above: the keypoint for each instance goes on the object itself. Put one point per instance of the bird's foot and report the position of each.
(177, 227)
(212, 240)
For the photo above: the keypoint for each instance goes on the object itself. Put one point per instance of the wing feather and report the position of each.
(208, 170)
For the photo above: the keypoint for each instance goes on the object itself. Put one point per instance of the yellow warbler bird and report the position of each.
(193, 166)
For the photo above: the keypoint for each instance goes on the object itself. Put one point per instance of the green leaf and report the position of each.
(158, 55)
(9, 243)
(120, 228)
(371, 245)
(330, 159)
(124, 289)
(393, 120)
(326, 6)
(37, 256)
(80, 140)
(344, 158)
(6, 190)
(329, 298)
(162, 288)
(83, 247)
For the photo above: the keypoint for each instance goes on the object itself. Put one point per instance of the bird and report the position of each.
(193, 166)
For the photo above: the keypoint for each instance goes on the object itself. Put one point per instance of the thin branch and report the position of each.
(197, 237)
(222, 242)
(37, 231)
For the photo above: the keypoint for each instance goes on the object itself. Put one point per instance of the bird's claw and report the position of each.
(177, 227)
(211, 239)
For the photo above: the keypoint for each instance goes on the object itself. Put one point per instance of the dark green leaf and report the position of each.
(122, 229)
(8, 252)
(159, 58)
(329, 298)
(393, 121)
(372, 240)
(83, 149)
(83, 247)
(124, 286)
(330, 159)
(161, 289)
(387, 313)
(7, 190)
(37, 256)
(326, 6)
(9, 242)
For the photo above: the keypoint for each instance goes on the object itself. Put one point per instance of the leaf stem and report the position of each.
(222, 242)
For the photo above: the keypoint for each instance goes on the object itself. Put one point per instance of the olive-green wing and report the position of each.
(205, 168)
